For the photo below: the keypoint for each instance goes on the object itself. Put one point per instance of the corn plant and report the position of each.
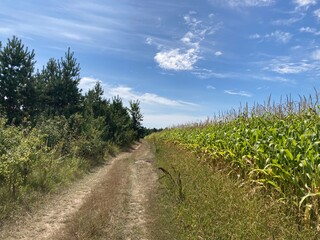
(274, 146)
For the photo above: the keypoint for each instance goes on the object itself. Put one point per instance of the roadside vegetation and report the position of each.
(271, 155)
(50, 133)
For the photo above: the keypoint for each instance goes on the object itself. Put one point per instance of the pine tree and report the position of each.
(17, 95)
(94, 103)
(119, 123)
(61, 78)
(136, 118)
(52, 85)
(71, 95)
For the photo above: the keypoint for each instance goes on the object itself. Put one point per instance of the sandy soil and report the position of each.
(129, 211)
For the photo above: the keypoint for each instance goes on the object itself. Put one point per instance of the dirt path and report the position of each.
(127, 181)
(143, 180)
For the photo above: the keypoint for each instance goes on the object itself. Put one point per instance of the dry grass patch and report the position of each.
(95, 218)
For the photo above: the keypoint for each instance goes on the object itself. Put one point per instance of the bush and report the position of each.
(20, 149)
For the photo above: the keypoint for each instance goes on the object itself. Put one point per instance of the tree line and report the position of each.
(31, 97)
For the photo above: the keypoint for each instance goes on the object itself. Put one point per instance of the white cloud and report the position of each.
(305, 3)
(211, 15)
(289, 21)
(211, 87)
(177, 59)
(250, 3)
(263, 88)
(290, 68)
(317, 14)
(272, 78)
(208, 73)
(87, 83)
(191, 21)
(316, 54)
(127, 93)
(185, 57)
(309, 30)
(279, 36)
(240, 93)
(74, 36)
(149, 41)
(189, 39)
(255, 36)
(218, 53)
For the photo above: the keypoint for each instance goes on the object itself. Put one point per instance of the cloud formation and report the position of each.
(87, 83)
(289, 67)
(211, 87)
(316, 54)
(240, 93)
(185, 57)
(317, 14)
(277, 36)
(208, 73)
(305, 3)
(243, 3)
(309, 30)
(288, 21)
(250, 3)
(177, 59)
(128, 93)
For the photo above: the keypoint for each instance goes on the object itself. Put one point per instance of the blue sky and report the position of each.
(184, 60)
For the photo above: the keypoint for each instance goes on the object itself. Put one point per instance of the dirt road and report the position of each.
(126, 183)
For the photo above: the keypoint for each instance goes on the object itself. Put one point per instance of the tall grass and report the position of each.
(276, 147)
(215, 206)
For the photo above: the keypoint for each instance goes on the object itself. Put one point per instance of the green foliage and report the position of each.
(49, 132)
(89, 144)
(20, 149)
(119, 129)
(94, 104)
(61, 94)
(277, 150)
(54, 130)
(17, 93)
(136, 118)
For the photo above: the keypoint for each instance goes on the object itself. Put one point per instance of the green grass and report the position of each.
(207, 204)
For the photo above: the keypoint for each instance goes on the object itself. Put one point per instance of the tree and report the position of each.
(94, 104)
(17, 95)
(136, 118)
(61, 78)
(71, 94)
(118, 123)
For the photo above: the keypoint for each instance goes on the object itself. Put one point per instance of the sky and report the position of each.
(184, 60)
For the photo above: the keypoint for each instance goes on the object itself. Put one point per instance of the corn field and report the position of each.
(274, 146)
